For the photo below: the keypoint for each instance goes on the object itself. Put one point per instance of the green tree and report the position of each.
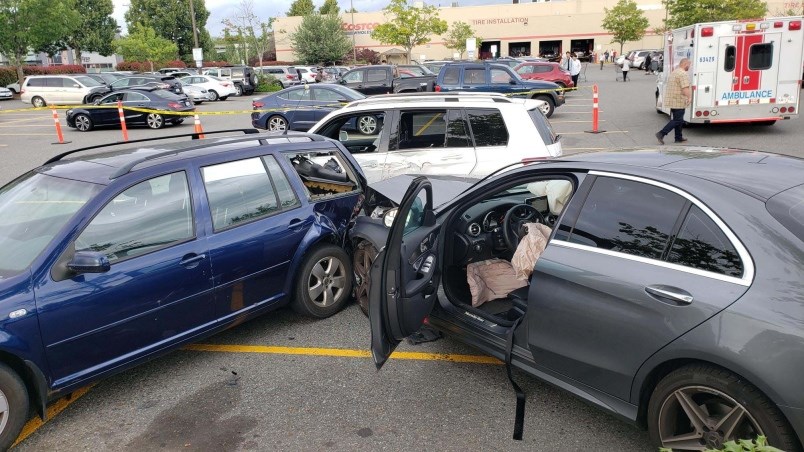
(171, 20)
(409, 26)
(246, 28)
(26, 25)
(351, 10)
(319, 39)
(301, 8)
(143, 44)
(457, 36)
(330, 7)
(688, 12)
(625, 22)
(97, 30)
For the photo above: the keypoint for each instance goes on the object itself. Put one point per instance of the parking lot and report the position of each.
(287, 382)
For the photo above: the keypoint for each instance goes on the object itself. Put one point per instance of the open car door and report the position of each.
(406, 271)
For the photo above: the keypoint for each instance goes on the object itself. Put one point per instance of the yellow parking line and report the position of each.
(54, 409)
(430, 122)
(341, 353)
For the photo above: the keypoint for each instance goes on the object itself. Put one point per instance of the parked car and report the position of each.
(380, 79)
(306, 74)
(286, 75)
(197, 94)
(300, 107)
(42, 90)
(667, 289)
(218, 88)
(638, 59)
(14, 87)
(107, 78)
(416, 69)
(550, 72)
(166, 82)
(486, 77)
(447, 133)
(113, 259)
(6, 94)
(184, 73)
(435, 66)
(243, 77)
(88, 117)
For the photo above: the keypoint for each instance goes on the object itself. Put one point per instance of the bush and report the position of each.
(136, 66)
(267, 83)
(8, 74)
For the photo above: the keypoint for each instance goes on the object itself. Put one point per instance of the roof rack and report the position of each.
(195, 136)
(451, 96)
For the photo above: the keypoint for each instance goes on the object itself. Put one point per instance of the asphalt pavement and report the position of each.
(283, 382)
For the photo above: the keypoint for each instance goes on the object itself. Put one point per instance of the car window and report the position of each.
(540, 69)
(327, 95)
(499, 76)
(701, 244)
(35, 207)
(36, 82)
(88, 81)
(730, 59)
(324, 174)
(353, 77)
(239, 192)
(451, 76)
(543, 126)
(474, 77)
(526, 70)
(628, 217)
(138, 220)
(112, 98)
(422, 129)
(56, 82)
(488, 127)
(136, 97)
(297, 94)
(375, 75)
(287, 197)
(760, 56)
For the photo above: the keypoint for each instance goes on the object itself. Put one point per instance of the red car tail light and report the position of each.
(256, 105)
(437, 89)
(794, 25)
(174, 105)
(288, 76)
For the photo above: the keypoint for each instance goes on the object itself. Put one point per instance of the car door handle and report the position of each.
(296, 224)
(192, 260)
(671, 293)
(452, 157)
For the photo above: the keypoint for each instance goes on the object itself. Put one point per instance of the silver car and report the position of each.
(196, 94)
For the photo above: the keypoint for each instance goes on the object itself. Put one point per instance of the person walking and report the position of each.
(607, 56)
(566, 62)
(575, 69)
(648, 61)
(626, 68)
(677, 96)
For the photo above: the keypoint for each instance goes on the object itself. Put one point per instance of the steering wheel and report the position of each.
(513, 223)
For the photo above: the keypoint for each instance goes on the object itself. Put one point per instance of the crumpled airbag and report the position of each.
(491, 279)
(529, 250)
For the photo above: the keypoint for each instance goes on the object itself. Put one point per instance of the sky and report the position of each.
(221, 9)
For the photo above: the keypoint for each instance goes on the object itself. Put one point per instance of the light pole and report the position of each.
(195, 31)
(354, 42)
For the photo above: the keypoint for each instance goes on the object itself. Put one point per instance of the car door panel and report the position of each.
(408, 273)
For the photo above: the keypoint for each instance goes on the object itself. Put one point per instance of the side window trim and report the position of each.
(745, 256)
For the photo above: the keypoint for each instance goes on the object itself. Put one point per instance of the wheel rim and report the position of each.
(38, 102)
(4, 411)
(239, 90)
(363, 260)
(82, 123)
(214, 95)
(701, 418)
(367, 125)
(327, 282)
(154, 121)
(277, 124)
(545, 108)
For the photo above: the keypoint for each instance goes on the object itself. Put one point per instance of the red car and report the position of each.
(542, 70)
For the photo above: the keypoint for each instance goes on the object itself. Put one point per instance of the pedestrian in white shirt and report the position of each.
(626, 68)
(575, 69)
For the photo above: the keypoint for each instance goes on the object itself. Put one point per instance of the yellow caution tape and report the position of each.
(170, 112)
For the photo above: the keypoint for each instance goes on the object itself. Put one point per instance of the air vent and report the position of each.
(473, 230)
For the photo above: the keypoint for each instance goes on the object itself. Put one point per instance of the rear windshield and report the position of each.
(167, 95)
(88, 81)
(788, 208)
(543, 126)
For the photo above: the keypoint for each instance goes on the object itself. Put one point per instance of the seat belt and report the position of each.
(519, 420)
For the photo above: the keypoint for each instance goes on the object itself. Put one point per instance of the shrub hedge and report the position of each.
(8, 74)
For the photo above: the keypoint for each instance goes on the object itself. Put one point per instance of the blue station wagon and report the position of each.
(110, 258)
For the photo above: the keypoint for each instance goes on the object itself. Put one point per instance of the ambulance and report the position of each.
(742, 71)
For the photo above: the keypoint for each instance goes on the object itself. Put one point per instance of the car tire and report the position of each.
(718, 396)
(364, 255)
(276, 123)
(549, 108)
(15, 395)
(766, 123)
(177, 122)
(155, 120)
(325, 282)
(214, 95)
(223, 97)
(198, 102)
(238, 90)
(561, 84)
(83, 123)
(38, 102)
(367, 125)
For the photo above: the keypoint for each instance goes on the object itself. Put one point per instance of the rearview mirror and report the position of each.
(89, 262)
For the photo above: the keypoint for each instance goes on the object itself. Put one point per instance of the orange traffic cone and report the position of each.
(198, 128)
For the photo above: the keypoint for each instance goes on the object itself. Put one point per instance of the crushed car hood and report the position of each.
(445, 188)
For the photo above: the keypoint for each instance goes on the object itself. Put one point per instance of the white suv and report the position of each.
(42, 90)
(440, 133)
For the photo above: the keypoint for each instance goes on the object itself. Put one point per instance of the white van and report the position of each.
(42, 90)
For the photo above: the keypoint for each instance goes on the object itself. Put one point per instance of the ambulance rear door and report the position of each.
(749, 69)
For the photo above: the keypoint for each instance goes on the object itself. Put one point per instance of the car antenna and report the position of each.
(298, 102)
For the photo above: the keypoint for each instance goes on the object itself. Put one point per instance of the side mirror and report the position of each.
(343, 136)
(76, 85)
(512, 82)
(344, 101)
(89, 262)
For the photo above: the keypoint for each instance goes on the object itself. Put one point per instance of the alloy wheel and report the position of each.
(38, 102)
(701, 418)
(361, 263)
(4, 411)
(83, 123)
(367, 125)
(155, 121)
(277, 124)
(327, 281)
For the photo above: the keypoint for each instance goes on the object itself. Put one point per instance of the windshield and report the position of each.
(33, 208)
(88, 81)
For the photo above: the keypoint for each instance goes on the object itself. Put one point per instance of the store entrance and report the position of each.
(518, 49)
(486, 50)
(583, 48)
(550, 50)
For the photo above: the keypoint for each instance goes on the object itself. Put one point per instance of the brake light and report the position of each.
(707, 31)
(174, 105)
(779, 24)
(437, 89)
(794, 25)
(288, 76)
(257, 105)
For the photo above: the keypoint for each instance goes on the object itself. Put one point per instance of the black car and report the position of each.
(661, 286)
(143, 80)
(107, 78)
(87, 117)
